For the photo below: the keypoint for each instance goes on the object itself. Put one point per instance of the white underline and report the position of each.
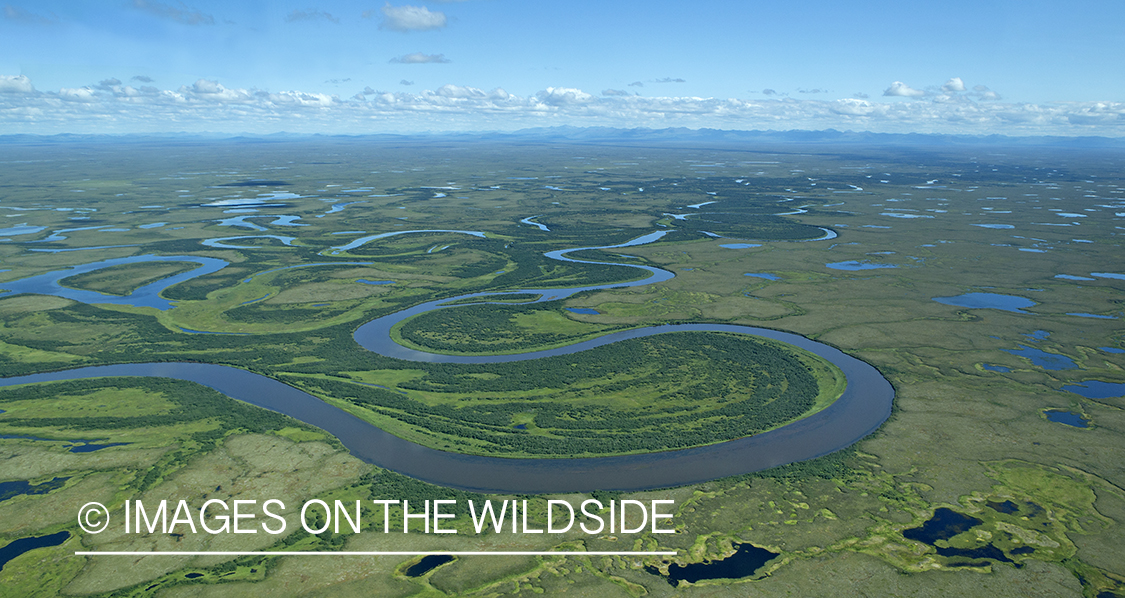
(375, 553)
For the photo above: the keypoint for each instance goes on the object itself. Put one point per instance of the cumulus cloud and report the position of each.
(637, 84)
(20, 15)
(410, 18)
(405, 82)
(184, 15)
(207, 105)
(142, 78)
(769, 92)
(108, 84)
(420, 58)
(310, 15)
(954, 84)
(614, 92)
(900, 89)
(981, 92)
(15, 84)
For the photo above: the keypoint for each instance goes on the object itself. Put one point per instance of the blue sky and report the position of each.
(1018, 68)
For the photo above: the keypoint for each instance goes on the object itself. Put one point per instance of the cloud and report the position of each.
(669, 80)
(183, 15)
(954, 84)
(981, 92)
(636, 84)
(411, 18)
(615, 92)
(860, 95)
(142, 78)
(310, 15)
(420, 58)
(814, 90)
(207, 105)
(900, 89)
(108, 84)
(15, 84)
(769, 92)
(405, 82)
(19, 15)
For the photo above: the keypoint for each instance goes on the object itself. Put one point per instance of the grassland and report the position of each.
(961, 436)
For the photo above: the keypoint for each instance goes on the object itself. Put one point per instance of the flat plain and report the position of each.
(847, 244)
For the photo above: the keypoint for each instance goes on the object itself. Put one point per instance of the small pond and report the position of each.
(746, 560)
(427, 564)
(20, 487)
(763, 275)
(583, 310)
(1010, 303)
(23, 545)
(1043, 359)
(739, 245)
(1067, 417)
(1096, 389)
(853, 265)
(995, 368)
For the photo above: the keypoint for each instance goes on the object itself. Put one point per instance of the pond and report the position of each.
(763, 275)
(583, 310)
(945, 524)
(995, 368)
(1067, 417)
(23, 545)
(1096, 389)
(1010, 303)
(23, 487)
(853, 265)
(427, 564)
(1043, 359)
(746, 560)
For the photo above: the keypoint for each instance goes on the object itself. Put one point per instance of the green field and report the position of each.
(968, 433)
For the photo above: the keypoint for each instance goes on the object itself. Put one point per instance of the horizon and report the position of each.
(468, 66)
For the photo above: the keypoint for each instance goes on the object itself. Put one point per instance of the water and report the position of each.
(427, 564)
(145, 296)
(1047, 361)
(583, 310)
(854, 265)
(23, 545)
(746, 560)
(1010, 303)
(364, 240)
(218, 242)
(542, 227)
(1108, 275)
(375, 282)
(1096, 389)
(22, 229)
(1112, 349)
(21, 487)
(763, 275)
(1038, 335)
(945, 524)
(1069, 277)
(1067, 417)
(995, 368)
(739, 245)
(1086, 315)
(998, 226)
(80, 446)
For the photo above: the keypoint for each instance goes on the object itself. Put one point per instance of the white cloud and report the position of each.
(310, 15)
(207, 105)
(420, 58)
(954, 84)
(900, 89)
(614, 92)
(411, 18)
(183, 15)
(15, 84)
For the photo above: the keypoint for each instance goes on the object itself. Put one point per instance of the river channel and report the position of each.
(863, 407)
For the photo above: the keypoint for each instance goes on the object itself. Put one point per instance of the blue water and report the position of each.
(1010, 303)
(1038, 335)
(739, 245)
(763, 275)
(1108, 275)
(80, 446)
(995, 368)
(1067, 417)
(1069, 277)
(190, 331)
(20, 487)
(218, 243)
(1047, 361)
(583, 310)
(363, 240)
(1096, 389)
(23, 545)
(854, 265)
(89, 448)
(1112, 350)
(1086, 315)
(365, 281)
(994, 225)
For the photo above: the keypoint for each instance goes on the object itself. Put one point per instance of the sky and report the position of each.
(1026, 67)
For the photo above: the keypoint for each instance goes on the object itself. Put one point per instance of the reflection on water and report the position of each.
(1047, 361)
(1067, 417)
(1010, 303)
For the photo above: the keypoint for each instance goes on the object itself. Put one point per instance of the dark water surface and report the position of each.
(23, 545)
